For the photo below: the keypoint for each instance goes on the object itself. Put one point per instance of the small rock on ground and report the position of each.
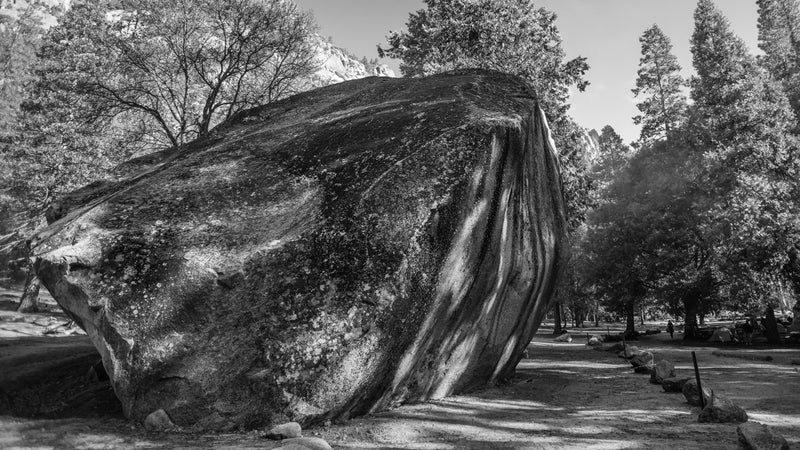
(159, 421)
(311, 443)
(722, 410)
(628, 352)
(757, 436)
(663, 369)
(643, 370)
(563, 338)
(692, 395)
(285, 431)
(641, 359)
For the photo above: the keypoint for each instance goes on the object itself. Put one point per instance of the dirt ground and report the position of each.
(565, 395)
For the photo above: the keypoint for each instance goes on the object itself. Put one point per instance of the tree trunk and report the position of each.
(772, 326)
(596, 311)
(641, 316)
(690, 306)
(557, 329)
(630, 314)
(29, 302)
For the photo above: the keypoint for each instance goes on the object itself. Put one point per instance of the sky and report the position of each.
(605, 31)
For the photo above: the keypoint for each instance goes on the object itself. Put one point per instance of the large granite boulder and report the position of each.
(350, 248)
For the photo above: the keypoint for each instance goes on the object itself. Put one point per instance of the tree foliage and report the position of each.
(742, 121)
(779, 38)
(659, 83)
(614, 154)
(512, 36)
(184, 66)
(703, 219)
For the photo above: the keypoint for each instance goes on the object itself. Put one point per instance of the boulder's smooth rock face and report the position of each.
(757, 436)
(339, 252)
(722, 410)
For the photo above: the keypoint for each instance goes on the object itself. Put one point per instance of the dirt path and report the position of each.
(568, 396)
(564, 396)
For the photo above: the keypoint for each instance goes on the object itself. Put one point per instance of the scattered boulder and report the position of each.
(692, 394)
(662, 370)
(646, 369)
(673, 384)
(641, 359)
(285, 431)
(722, 410)
(615, 348)
(311, 443)
(336, 253)
(757, 436)
(594, 342)
(628, 351)
(159, 421)
(563, 338)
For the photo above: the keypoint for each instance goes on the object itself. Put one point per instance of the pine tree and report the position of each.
(659, 82)
(613, 155)
(779, 38)
(741, 122)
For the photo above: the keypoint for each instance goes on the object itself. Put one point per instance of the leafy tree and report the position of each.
(511, 36)
(19, 37)
(659, 82)
(182, 66)
(111, 84)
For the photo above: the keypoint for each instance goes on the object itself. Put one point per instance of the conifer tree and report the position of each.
(613, 155)
(659, 83)
(741, 123)
(779, 38)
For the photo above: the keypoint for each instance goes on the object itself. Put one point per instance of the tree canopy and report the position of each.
(659, 82)
(512, 36)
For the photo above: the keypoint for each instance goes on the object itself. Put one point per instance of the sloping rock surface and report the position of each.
(350, 248)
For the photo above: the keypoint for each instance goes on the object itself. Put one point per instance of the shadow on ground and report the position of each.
(563, 396)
